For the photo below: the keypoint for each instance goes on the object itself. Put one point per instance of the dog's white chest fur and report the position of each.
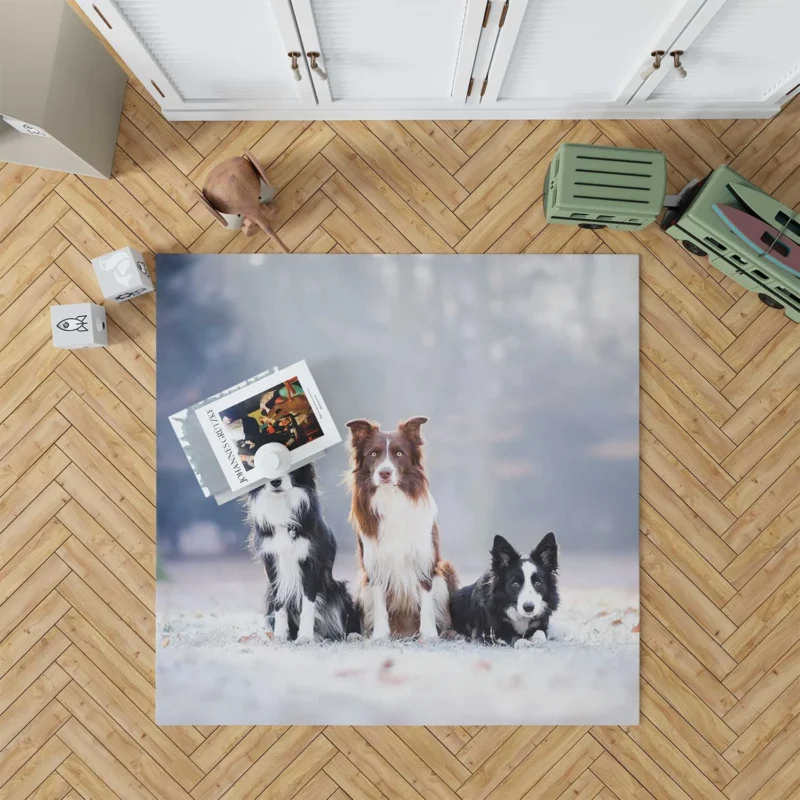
(518, 622)
(402, 554)
(518, 617)
(277, 510)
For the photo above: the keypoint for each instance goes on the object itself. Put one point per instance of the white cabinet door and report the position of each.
(557, 54)
(379, 59)
(391, 54)
(206, 53)
(735, 51)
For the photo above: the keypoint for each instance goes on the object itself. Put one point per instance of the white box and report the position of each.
(122, 274)
(78, 325)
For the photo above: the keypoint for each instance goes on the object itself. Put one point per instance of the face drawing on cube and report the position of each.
(122, 274)
(280, 414)
(121, 266)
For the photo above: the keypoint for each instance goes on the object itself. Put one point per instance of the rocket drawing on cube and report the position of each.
(122, 274)
(74, 324)
(78, 325)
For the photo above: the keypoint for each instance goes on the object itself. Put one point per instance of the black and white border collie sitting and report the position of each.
(290, 536)
(511, 602)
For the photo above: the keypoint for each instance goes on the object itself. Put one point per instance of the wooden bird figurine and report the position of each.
(233, 187)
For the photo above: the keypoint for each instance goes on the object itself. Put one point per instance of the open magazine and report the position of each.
(221, 435)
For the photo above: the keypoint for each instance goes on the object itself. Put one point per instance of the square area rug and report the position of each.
(517, 380)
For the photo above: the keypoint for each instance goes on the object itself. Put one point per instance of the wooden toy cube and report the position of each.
(78, 325)
(122, 274)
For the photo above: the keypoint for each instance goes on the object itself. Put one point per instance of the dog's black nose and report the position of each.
(276, 482)
(527, 607)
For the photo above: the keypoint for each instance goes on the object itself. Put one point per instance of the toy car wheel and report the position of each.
(592, 226)
(769, 301)
(693, 248)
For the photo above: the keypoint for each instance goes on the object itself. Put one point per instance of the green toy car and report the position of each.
(592, 186)
(695, 224)
(605, 187)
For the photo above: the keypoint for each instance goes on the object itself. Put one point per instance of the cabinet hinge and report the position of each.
(483, 88)
(503, 15)
(486, 13)
(469, 88)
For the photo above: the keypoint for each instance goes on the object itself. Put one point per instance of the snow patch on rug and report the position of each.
(220, 668)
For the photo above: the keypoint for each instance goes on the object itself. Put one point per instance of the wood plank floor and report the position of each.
(720, 470)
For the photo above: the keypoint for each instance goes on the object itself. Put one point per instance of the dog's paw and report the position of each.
(428, 634)
(354, 637)
(304, 640)
(380, 634)
(523, 644)
(451, 636)
(540, 637)
(281, 626)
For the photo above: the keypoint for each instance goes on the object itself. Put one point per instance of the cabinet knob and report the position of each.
(315, 68)
(657, 56)
(676, 58)
(295, 65)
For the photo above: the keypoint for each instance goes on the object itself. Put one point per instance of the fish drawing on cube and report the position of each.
(78, 325)
(122, 274)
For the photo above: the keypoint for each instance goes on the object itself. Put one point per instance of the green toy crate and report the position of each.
(598, 187)
(702, 232)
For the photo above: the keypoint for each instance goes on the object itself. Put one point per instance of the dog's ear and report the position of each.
(305, 476)
(502, 553)
(360, 429)
(411, 428)
(546, 552)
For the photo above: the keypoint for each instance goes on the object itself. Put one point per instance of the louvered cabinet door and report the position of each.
(390, 54)
(738, 51)
(558, 54)
(208, 54)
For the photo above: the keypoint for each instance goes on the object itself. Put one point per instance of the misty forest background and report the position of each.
(527, 367)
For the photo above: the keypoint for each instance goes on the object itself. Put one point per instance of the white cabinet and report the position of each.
(734, 51)
(410, 53)
(569, 52)
(378, 59)
(206, 53)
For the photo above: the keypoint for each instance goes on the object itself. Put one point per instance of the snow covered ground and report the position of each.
(218, 667)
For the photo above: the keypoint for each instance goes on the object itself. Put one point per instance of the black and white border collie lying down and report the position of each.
(290, 536)
(511, 602)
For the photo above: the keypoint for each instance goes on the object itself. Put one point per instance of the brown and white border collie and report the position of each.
(405, 584)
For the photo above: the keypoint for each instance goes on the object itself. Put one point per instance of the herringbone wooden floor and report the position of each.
(720, 470)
